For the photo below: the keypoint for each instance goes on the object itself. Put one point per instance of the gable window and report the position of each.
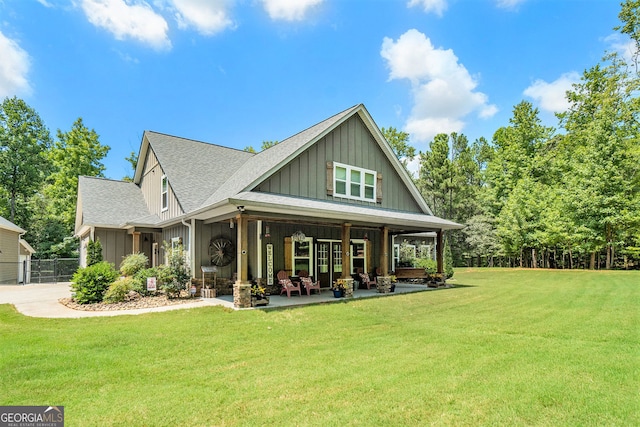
(164, 193)
(354, 183)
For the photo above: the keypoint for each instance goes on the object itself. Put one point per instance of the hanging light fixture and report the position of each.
(267, 233)
(366, 237)
(298, 236)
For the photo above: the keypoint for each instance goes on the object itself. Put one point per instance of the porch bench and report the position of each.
(415, 274)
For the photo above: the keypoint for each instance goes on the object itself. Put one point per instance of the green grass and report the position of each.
(505, 347)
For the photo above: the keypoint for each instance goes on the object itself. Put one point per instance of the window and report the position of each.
(303, 256)
(354, 183)
(164, 193)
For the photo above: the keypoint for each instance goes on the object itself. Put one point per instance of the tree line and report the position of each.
(537, 196)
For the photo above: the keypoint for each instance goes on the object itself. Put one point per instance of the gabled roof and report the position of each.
(108, 203)
(263, 164)
(266, 163)
(194, 169)
(8, 225)
(27, 247)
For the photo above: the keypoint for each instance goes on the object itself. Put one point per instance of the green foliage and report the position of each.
(140, 285)
(133, 161)
(24, 141)
(174, 276)
(430, 265)
(77, 152)
(94, 252)
(133, 263)
(118, 290)
(90, 283)
(448, 262)
(399, 142)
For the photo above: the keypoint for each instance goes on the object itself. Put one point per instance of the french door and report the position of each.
(328, 261)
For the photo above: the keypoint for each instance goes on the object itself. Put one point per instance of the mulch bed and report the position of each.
(133, 302)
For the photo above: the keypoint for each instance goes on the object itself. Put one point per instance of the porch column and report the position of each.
(439, 251)
(346, 254)
(242, 257)
(384, 253)
(242, 287)
(136, 242)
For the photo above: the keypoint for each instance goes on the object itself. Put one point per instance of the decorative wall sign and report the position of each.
(270, 264)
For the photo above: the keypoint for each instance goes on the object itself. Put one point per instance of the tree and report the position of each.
(602, 130)
(399, 142)
(265, 145)
(24, 141)
(133, 161)
(76, 152)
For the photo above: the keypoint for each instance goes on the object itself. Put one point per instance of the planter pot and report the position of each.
(259, 301)
(393, 287)
(338, 293)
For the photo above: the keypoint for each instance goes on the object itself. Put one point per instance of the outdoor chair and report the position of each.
(287, 285)
(309, 285)
(367, 280)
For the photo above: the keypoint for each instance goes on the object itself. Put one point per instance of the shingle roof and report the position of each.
(110, 203)
(8, 225)
(195, 169)
(264, 162)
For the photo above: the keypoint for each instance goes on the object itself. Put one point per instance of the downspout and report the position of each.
(192, 258)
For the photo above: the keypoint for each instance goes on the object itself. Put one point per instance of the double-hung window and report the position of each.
(164, 193)
(354, 183)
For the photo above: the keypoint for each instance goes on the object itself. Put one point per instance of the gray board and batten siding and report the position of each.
(151, 184)
(352, 144)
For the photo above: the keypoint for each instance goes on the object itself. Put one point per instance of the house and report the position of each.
(15, 254)
(327, 200)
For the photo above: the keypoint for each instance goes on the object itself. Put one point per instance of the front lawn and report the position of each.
(505, 347)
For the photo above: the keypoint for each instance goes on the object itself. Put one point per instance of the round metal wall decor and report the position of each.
(221, 251)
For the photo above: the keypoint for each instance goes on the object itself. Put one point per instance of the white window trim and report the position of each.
(362, 171)
(162, 193)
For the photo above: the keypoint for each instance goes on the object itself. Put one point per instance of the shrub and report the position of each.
(430, 266)
(94, 252)
(118, 290)
(448, 261)
(133, 263)
(90, 283)
(174, 276)
(140, 280)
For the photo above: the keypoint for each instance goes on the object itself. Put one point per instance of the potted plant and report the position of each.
(338, 288)
(259, 295)
(394, 279)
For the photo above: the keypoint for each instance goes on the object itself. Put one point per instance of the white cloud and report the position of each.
(133, 19)
(206, 16)
(442, 88)
(509, 4)
(14, 67)
(289, 10)
(436, 6)
(623, 45)
(552, 96)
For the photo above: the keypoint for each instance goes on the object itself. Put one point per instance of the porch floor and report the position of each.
(326, 296)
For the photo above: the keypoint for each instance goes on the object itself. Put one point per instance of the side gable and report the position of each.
(194, 170)
(351, 143)
(109, 204)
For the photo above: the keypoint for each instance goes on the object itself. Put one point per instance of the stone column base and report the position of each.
(348, 288)
(242, 294)
(384, 284)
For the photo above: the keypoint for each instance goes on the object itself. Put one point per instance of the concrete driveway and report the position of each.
(41, 300)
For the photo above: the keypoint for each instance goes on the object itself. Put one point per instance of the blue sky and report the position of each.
(237, 73)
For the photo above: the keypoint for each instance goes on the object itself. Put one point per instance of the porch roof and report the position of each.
(333, 212)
